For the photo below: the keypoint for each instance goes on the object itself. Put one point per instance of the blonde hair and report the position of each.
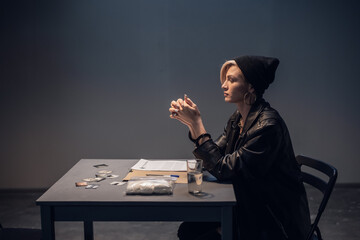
(225, 67)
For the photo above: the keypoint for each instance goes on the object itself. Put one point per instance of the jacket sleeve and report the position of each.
(221, 142)
(251, 161)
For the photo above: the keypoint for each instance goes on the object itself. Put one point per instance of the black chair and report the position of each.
(325, 187)
(19, 234)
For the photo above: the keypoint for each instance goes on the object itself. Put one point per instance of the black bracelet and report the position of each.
(200, 137)
(191, 139)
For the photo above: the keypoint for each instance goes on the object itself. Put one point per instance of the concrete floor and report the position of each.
(341, 219)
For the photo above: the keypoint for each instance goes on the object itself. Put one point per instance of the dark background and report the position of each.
(94, 79)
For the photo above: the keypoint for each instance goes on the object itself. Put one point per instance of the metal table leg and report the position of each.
(226, 223)
(88, 230)
(47, 223)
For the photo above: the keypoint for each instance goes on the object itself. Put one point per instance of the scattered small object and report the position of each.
(97, 179)
(101, 165)
(92, 186)
(89, 179)
(113, 176)
(81, 184)
(104, 172)
(101, 175)
(117, 183)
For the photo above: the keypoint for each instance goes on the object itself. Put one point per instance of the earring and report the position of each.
(250, 98)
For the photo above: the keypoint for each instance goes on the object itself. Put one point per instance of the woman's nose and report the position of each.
(223, 86)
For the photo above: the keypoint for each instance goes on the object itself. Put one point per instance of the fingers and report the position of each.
(173, 112)
(188, 101)
(177, 117)
(182, 110)
(174, 104)
(180, 103)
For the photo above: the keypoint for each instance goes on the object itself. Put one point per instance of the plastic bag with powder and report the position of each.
(150, 185)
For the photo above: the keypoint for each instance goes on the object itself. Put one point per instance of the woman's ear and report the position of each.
(251, 88)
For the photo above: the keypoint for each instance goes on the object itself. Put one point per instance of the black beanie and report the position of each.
(259, 71)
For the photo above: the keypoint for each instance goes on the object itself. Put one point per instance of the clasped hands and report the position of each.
(185, 111)
(188, 113)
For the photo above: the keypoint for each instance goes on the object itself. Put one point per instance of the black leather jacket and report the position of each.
(260, 162)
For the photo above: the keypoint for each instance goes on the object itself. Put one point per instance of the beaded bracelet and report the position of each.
(200, 137)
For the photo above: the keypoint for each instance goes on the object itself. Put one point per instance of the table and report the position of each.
(65, 202)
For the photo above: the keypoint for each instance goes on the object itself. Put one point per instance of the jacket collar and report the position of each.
(255, 110)
(234, 119)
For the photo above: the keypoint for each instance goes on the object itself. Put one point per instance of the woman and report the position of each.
(254, 152)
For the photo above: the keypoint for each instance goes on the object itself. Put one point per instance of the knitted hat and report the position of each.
(259, 71)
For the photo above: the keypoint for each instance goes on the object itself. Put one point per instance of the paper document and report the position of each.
(160, 165)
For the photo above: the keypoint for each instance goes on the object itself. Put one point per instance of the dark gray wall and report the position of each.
(94, 79)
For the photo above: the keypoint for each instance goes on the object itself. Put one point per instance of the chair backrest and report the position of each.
(325, 187)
